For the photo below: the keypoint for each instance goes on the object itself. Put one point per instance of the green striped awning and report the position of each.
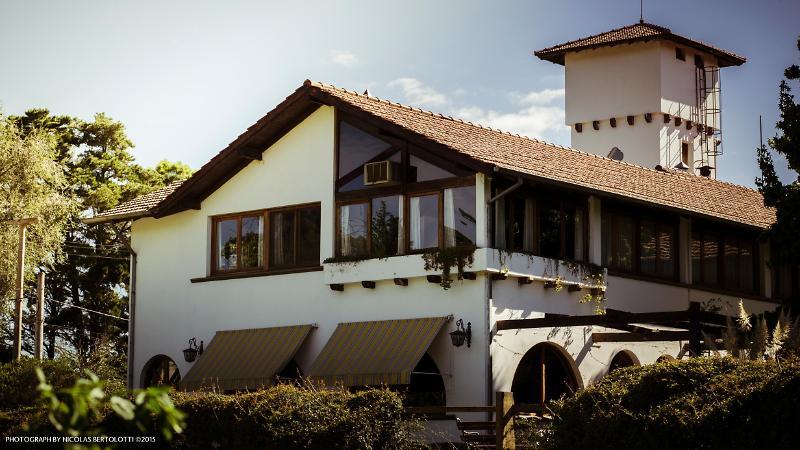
(245, 359)
(374, 353)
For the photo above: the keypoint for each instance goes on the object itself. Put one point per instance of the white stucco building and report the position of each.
(322, 215)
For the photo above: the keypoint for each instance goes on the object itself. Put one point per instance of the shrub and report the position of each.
(287, 417)
(18, 380)
(698, 403)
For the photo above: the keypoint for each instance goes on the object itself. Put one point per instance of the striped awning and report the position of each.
(374, 353)
(245, 359)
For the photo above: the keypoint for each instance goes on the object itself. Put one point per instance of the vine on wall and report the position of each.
(445, 259)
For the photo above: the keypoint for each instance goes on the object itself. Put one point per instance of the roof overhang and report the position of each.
(123, 217)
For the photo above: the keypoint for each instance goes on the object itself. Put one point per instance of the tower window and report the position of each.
(698, 61)
(680, 54)
(685, 152)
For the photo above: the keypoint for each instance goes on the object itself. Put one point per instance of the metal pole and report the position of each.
(39, 317)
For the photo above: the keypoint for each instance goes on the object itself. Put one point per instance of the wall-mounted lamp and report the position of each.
(460, 334)
(190, 354)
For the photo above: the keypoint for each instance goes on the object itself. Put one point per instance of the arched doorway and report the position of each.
(623, 358)
(160, 370)
(546, 372)
(665, 358)
(427, 386)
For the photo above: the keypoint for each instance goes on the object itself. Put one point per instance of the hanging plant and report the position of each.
(445, 259)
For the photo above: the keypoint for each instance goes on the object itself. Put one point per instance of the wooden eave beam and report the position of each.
(641, 337)
(613, 320)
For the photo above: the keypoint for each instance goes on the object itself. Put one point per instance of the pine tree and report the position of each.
(785, 198)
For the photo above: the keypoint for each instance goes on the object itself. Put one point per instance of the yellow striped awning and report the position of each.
(245, 359)
(374, 353)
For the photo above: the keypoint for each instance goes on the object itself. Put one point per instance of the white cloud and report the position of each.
(417, 93)
(535, 117)
(343, 58)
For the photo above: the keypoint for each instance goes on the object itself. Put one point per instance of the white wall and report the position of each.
(297, 169)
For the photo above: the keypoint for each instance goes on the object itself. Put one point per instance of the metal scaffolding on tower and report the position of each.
(708, 114)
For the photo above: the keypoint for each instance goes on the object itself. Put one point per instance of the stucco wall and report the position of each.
(297, 169)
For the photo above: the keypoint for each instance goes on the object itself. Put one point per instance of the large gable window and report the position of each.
(395, 197)
(293, 240)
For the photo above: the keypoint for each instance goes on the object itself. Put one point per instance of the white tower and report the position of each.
(653, 95)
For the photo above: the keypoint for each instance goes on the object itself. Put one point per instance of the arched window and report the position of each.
(160, 370)
(665, 358)
(545, 373)
(623, 358)
(427, 386)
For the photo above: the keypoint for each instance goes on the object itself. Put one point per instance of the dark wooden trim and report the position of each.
(401, 281)
(524, 280)
(574, 287)
(630, 120)
(258, 273)
(613, 122)
(469, 275)
(498, 276)
(579, 127)
(666, 118)
(648, 117)
(689, 124)
(678, 121)
(434, 278)
(596, 124)
(337, 287)
(662, 336)
(409, 189)
(368, 284)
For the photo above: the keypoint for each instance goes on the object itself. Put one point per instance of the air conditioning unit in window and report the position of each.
(381, 172)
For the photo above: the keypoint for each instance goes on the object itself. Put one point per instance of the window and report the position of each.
(239, 244)
(724, 260)
(680, 54)
(640, 245)
(552, 229)
(380, 227)
(685, 153)
(698, 61)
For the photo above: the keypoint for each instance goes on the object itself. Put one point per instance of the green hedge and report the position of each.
(18, 380)
(290, 417)
(698, 403)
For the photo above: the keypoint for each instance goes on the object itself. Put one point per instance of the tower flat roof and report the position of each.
(638, 32)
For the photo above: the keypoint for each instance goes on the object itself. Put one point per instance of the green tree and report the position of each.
(100, 171)
(785, 198)
(32, 184)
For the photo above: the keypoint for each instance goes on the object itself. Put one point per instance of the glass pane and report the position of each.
(605, 239)
(710, 258)
(387, 219)
(252, 241)
(357, 147)
(731, 263)
(550, 230)
(308, 240)
(515, 234)
(624, 230)
(353, 230)
(459, 216)
(746, 265)
(666, 254)
(647, 248)
(697, 253)
(573, 233)
(281, 244)
(424, 222)
(226, 244)
(421, 170)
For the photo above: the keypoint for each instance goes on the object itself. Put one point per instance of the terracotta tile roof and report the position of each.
(637, 32)
(139, 206)
(524, 155)
(485, 146)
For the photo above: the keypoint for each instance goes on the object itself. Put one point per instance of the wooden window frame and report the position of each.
(266, 265)
(638, 219)
(725, 237)
(564, 204)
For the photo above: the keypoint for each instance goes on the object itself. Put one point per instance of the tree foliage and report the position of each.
(785, 198)
(32, 185)
(97, 171)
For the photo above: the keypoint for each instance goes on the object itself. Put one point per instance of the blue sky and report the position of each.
(187, 77)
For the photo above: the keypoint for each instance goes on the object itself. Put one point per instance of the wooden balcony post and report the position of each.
(504, 431)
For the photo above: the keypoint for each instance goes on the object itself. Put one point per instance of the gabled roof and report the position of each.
(138, 207)
(638, 32)
(485, 150)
